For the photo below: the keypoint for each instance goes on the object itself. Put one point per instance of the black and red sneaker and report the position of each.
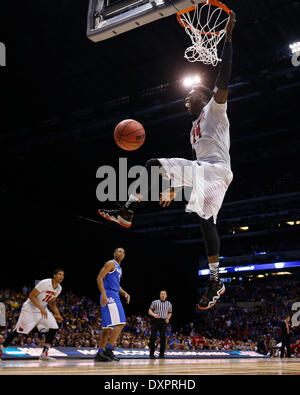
(214, 291)
(121, 216)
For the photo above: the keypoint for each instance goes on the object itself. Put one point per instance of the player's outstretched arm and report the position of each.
(224, 75)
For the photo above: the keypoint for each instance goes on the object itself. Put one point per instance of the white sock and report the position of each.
(214, 271)
(132, 199)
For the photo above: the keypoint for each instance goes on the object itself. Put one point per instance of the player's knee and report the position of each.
(105, 333)
(120, 326)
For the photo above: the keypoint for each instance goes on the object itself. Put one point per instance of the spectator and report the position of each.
(29, 342)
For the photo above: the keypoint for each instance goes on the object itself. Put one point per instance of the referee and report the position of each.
(160, 311)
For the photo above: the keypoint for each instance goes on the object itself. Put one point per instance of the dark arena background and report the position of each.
(63, 95)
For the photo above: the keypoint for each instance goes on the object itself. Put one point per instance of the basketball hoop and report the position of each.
(205, 23)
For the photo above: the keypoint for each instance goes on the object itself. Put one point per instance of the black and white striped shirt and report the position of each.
(161, 308)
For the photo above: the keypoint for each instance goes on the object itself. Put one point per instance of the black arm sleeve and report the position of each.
(226, 67)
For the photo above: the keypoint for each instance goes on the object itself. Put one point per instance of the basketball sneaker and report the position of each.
(100, 357)
(121, 216)
(45, 357)
(214, 291)
(109, 353)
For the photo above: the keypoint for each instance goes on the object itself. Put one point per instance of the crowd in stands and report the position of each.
(229, 326)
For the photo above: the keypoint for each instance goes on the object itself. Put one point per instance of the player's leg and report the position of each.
(26, 322)
(104, 336)
(162, 332)
(212, 246)
(113, 320)
(118, 320)
(50, 326)
(114, 335)
(48, 343)
(177, 170)
(124, 214)
(146, 184)
(154, 329)
(8, 341)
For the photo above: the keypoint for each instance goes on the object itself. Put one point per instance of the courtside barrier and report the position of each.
(89, 353)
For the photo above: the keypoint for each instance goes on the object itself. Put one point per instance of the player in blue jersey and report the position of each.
(113, 316)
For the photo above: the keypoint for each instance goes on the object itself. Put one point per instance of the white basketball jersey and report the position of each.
(47, 293)
(210, 134)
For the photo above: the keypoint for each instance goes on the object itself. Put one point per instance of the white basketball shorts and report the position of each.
(29, 318)
(209, 183)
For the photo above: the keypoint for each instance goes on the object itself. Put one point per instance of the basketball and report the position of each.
(129, 134)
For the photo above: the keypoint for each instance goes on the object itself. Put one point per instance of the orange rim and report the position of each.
(192, 8)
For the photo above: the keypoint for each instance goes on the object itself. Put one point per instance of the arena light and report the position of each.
(222, 270)
(259, 267)
(204, 272)
(279, 265)
(295, 47)
(191, 80)
(244, 268)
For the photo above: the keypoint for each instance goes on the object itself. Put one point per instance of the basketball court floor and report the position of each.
(274, 366)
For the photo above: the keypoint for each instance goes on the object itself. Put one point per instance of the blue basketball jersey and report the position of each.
(112, 279)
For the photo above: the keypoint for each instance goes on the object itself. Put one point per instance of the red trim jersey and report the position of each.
(210, 136)
(47, 293)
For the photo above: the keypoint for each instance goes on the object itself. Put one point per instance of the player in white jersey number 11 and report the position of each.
(35, 313)
(208, 175)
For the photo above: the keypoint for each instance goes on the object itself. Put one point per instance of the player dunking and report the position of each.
(113, 316)
(210, 141)
(35, 312)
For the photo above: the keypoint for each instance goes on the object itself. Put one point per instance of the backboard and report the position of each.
(109, 18)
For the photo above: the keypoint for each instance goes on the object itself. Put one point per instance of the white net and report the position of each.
(206, 26)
